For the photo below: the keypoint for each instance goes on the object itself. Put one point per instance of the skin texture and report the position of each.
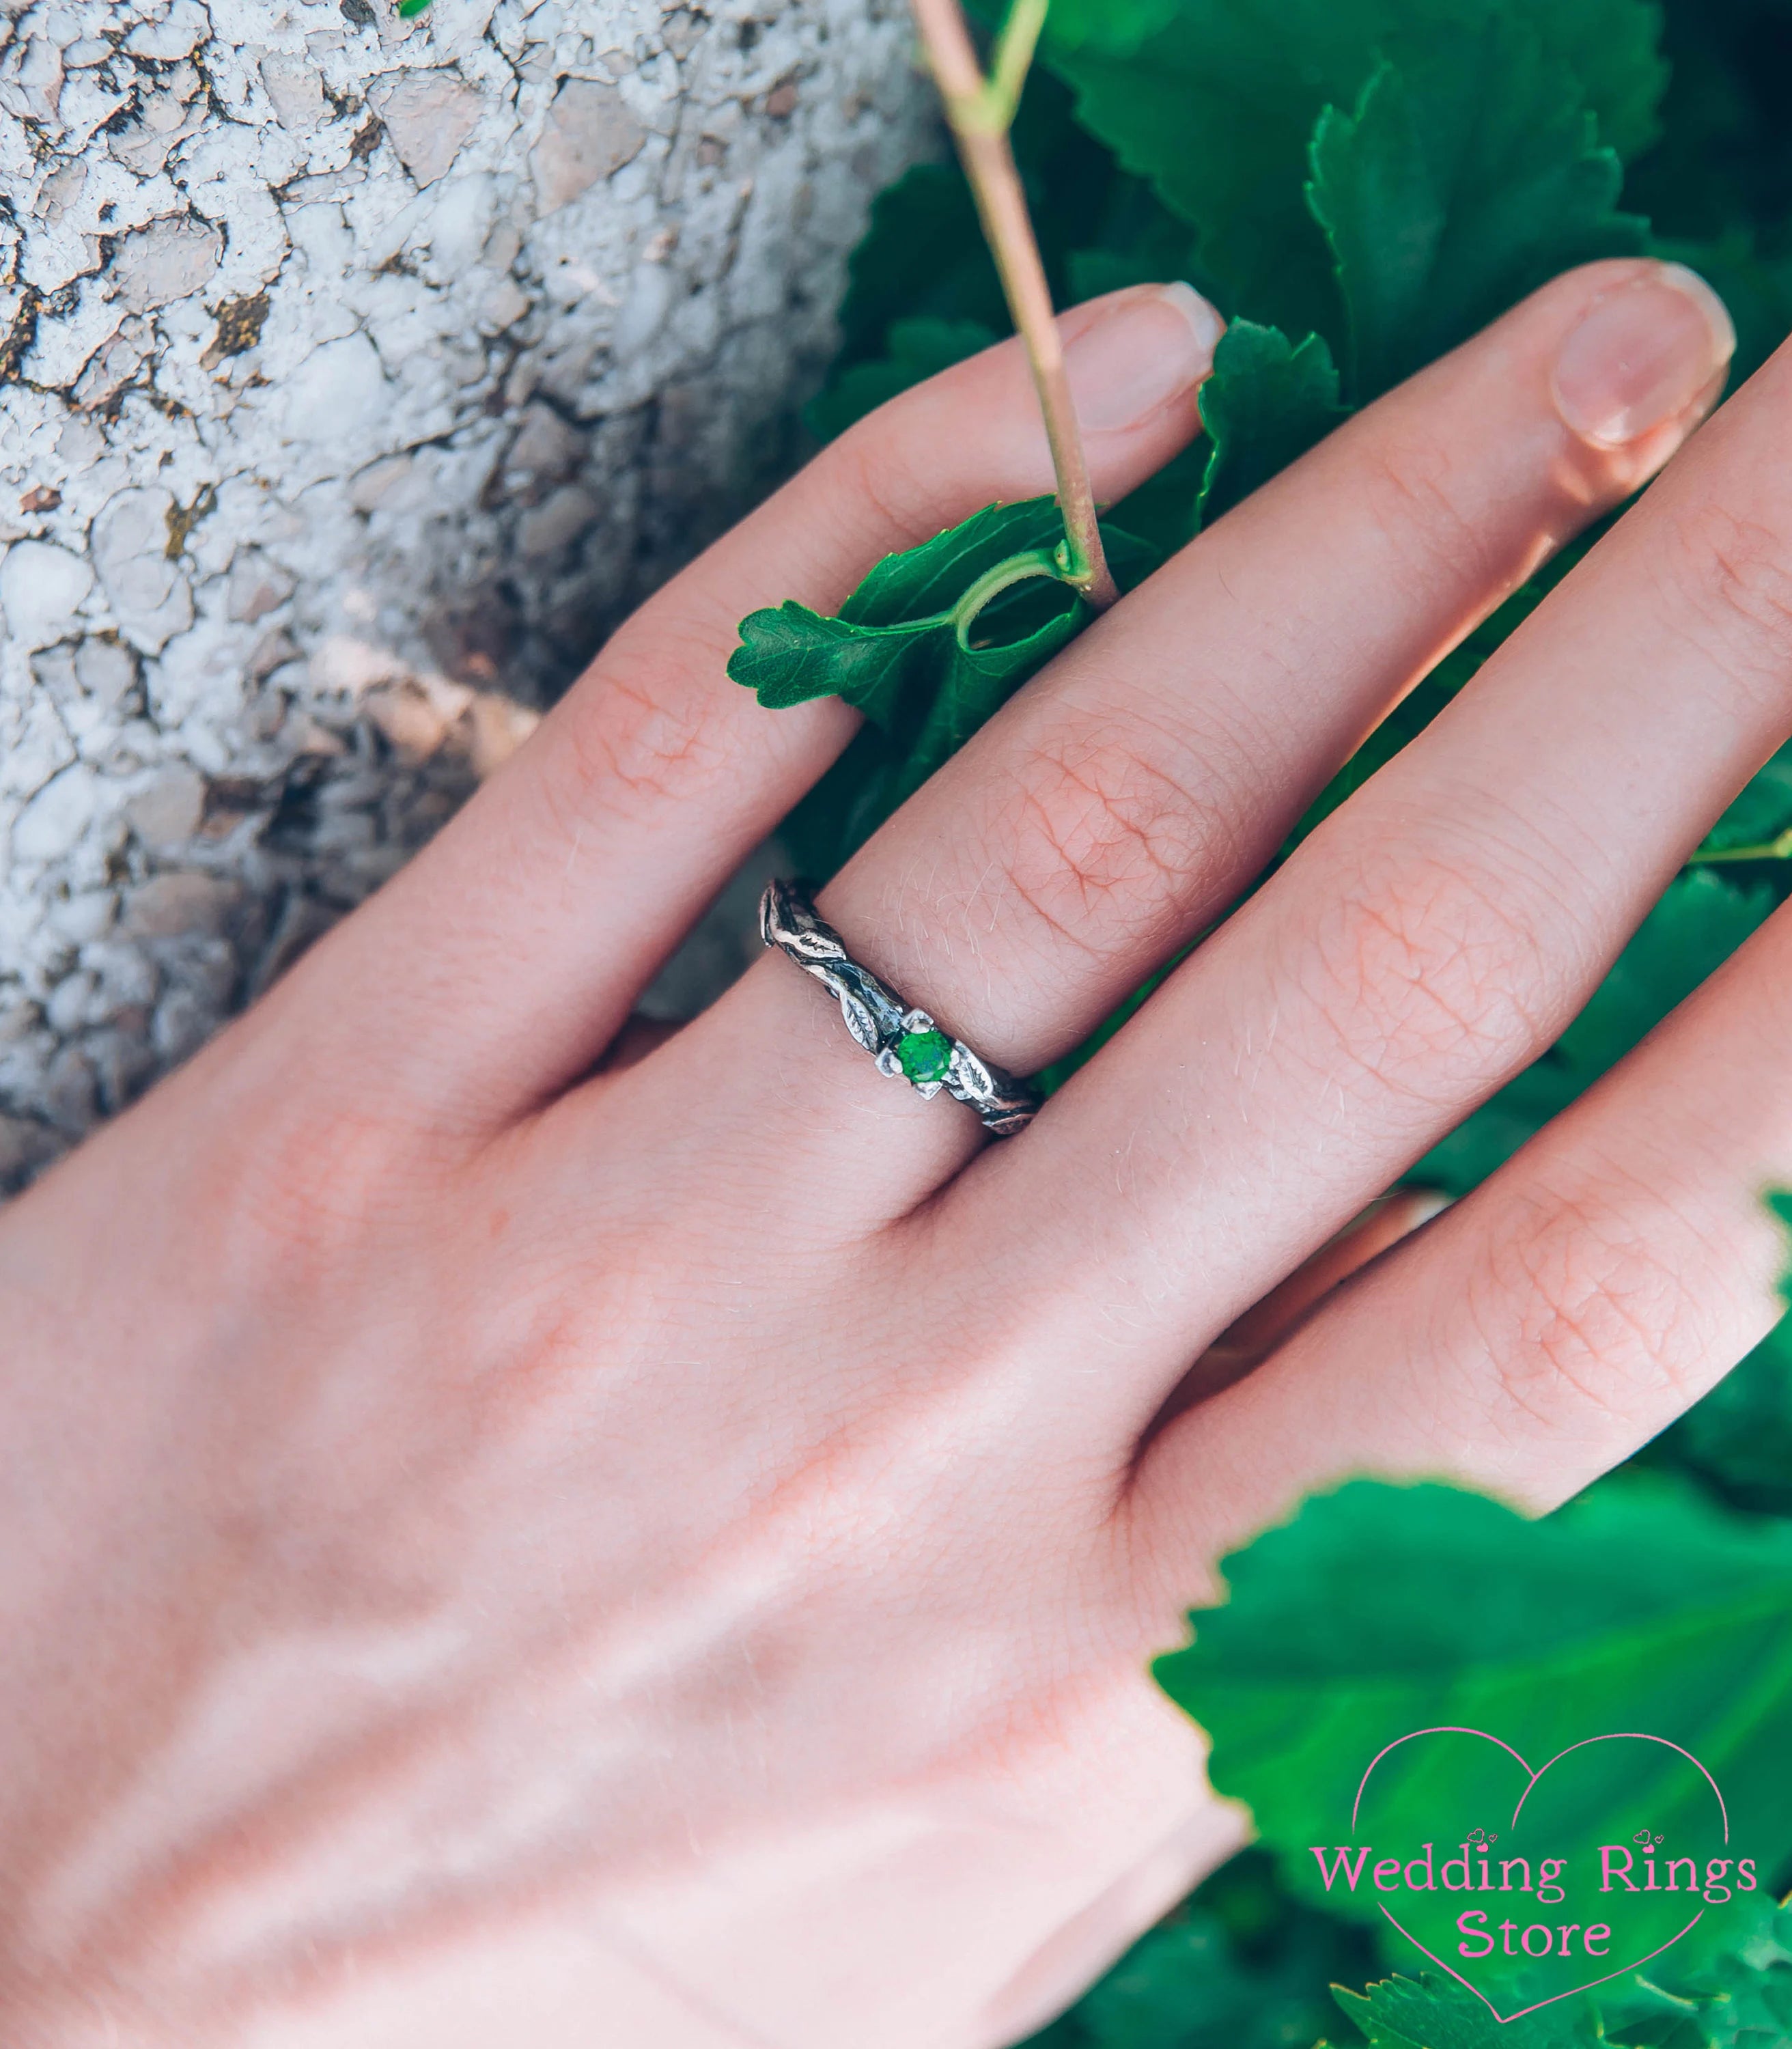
(500, 1547)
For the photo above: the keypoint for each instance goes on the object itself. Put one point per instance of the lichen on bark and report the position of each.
(356, 373)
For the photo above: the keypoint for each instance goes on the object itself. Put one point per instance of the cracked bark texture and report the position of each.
(355, 374)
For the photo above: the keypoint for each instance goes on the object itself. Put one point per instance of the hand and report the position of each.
(497, 1552)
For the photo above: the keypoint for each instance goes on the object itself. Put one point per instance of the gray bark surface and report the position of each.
(355, 375)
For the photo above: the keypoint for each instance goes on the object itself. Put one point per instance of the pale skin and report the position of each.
(502, 1549)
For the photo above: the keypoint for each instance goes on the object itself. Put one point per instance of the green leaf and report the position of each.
(926, 581)
(969, 684)
(1214, 112)
(1740, 1437)
(1185, 1986)
(1488, 1139)
(1417, 708)
(1463, 180)
(1380, 1610)
(1239, 1965)
(1164, 510)
(922, 257)
(1735, 1995)
(926, 674)
(1732, 1991)
(1115, 27)
(1094, 272)
(1428, 2013)
(1761, 812)
(1217, 108)
(1723, 165)
(1613, 48)
(1698, 923)
(1267, 402)
(947, 692)
(791, 654)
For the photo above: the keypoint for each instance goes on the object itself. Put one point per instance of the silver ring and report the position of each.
(905, 1043)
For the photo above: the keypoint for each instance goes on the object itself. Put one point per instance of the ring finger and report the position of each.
(1119, 802)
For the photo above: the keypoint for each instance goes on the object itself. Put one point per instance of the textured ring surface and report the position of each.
(904, 1042)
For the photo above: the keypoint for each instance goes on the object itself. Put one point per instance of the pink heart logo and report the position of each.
(1613, 1904)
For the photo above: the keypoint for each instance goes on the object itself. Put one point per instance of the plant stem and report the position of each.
(1771, 849)
(1013, 57)
(962, 616)
(1004, 576)
(980, 111)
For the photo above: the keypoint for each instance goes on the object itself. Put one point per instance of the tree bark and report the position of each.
(355, 374)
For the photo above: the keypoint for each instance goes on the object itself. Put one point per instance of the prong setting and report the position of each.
(903, 1040)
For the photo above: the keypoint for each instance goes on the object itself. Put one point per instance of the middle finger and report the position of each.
(1118, 804)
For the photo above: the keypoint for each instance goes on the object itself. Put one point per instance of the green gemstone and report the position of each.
(924, 1056)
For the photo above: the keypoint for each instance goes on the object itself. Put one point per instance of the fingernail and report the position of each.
(1153, 345)
(1642, 354)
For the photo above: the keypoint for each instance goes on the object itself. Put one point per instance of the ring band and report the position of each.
(906, 1044)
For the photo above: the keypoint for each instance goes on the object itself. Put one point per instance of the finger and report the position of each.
(1436, 933)
(1265, 1325)
(1552, 1322)
(1119, 802)
(510, 952)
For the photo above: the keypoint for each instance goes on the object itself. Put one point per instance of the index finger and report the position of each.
(502, 962)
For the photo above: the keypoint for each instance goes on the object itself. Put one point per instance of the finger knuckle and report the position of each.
(1427, 974)
(1588, 1310)
(1731, 579)
(1105, 842)
(643, 738)
(305, 1190)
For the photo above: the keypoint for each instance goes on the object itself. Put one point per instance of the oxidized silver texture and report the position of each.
(878, 1018)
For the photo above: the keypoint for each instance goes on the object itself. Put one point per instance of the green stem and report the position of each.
(1011, 60)
(980, 110)
(1011, 569)
(1769, 849)
(1015, 569)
